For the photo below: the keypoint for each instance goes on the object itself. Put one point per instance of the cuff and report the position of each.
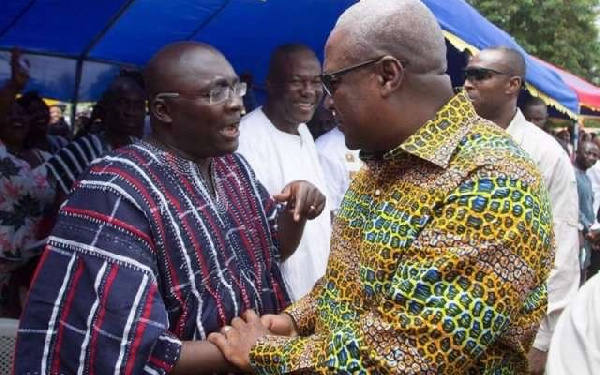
(165, 353)
(303, 311)
(543, 337)
(268, 355)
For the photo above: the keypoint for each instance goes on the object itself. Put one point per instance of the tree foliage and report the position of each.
(563, 32)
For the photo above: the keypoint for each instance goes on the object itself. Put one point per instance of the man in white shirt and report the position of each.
(339, 163)
(276, 142)
(594, 174)
(575, 348)
(494, 79)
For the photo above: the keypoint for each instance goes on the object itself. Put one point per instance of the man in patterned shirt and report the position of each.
(442, 244)
(164, 241)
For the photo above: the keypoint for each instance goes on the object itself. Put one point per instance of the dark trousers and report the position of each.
(594, 264)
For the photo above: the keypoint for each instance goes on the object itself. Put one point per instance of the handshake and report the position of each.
(236, 340)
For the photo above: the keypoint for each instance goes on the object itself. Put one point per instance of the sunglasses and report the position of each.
(332, 80)
(481, 74)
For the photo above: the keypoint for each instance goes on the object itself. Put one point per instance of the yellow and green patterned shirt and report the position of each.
(438, 261)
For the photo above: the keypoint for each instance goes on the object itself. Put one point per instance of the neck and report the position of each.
(14, 148)
(504, 115)
(276, 117)
(420, 105)
(116, 140)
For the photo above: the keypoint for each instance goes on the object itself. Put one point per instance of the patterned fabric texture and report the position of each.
(67, 165)
(440, 254)
(143, 256)
(24, 196)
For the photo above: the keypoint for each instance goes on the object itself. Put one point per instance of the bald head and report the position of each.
(175, 64)
(120, 85)
(509, 59)
(405, 29)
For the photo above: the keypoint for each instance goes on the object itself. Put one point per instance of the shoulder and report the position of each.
(256, 118)
(124, 166)
(92, 143)
(487, 148)
(333, 139)
(539, 142)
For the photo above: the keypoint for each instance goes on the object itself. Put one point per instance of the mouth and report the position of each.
(306, 106)
(470, 95)
(231, 131)
(17, 126)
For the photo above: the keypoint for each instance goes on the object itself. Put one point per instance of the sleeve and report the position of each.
(64, 169)
(563, 281)
(582, 219)
(486, 252)
(94, 306)
(271, 207)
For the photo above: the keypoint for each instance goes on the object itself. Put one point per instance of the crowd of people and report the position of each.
(366, 218)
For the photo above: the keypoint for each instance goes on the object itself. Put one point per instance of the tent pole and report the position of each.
(75, 101)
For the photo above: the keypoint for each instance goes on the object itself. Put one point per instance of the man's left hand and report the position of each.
(236, 341)
(303, 200)
(537, 361)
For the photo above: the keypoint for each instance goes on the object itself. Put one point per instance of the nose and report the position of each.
(468, 84)
(328, 103)
(235, 102)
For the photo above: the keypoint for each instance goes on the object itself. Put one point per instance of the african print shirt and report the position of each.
(438, 263)
(143, 256)
(24, 196)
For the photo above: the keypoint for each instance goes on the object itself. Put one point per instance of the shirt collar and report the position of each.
(517, 121)
(438, 138)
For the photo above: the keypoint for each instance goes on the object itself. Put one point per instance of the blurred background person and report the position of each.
(57, 124)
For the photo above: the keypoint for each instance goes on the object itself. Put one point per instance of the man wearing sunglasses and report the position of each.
(494, 78)
(164, 241)
(276, 142)
(442, 244)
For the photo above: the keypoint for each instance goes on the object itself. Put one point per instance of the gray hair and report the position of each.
(405, 29)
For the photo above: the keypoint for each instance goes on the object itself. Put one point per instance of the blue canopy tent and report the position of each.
(76, 47)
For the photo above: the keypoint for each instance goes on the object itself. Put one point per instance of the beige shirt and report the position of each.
(559, 178)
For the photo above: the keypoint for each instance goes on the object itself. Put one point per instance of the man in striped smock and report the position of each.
(165, 241)
(124, 123)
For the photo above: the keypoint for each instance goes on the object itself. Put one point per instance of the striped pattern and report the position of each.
(67, 164)
(57, 142)
(143, 257)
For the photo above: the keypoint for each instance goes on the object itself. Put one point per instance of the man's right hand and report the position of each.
(282, 324)
(19, 74)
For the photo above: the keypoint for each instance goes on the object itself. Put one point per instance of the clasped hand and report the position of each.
(236, 341)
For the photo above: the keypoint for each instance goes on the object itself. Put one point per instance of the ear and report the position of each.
(514, 85)
(160, 110)
(391, 75)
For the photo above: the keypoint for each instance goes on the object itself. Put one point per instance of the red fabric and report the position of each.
(588, 94)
